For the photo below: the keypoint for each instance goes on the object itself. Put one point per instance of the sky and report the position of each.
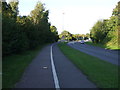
(79, 15)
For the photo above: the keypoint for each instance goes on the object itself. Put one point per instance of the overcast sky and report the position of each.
(79, 15)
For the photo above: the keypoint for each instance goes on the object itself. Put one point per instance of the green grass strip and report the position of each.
(102, 73)
(96, 44)
(14, 66)
(112, 47)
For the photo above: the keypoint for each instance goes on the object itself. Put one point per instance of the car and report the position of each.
(82, 41)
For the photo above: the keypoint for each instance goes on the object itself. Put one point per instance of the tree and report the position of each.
(112, 37)
(21, 33)
(54, 34)
(14, 7)
(87, 36)
(97, 32)
(65, 35)
(38, 12)
(107, 31)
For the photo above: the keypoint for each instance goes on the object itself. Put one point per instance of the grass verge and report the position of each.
(102, 73)
(113, 47)
(95, 44)
(14, 66)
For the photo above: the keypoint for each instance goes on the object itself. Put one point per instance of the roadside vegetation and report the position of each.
(14, 66)
(66, 35)
(112, 47)
(102, 73)
(21, 37)
(104, 33)
(21, 33)
(107, 31)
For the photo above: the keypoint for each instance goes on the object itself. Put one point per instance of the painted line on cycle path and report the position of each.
(56, 81)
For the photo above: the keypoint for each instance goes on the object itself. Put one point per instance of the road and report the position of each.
(51, 69)
(104, 54)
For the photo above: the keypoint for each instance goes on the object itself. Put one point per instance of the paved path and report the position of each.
(103, 54)
(69, 76)
(35, 76)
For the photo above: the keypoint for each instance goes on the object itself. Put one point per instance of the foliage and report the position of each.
(98, 31)
(107, 31)
(65, 35)
(21, 33)
(14, 8)
(15, 65)
(54, 33)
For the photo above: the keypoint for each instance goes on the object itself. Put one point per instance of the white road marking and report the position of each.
(56, 82)
(45, 67)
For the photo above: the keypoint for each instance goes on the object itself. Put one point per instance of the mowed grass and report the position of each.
(95, 44)
(14, 66)
(112, 47)
(103, 74)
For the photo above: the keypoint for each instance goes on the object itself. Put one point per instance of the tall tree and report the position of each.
(97, 33)
(65, 35)
(37, 13)
(112, 37)
(107, 31)
(54, 34)
(21, 33)
(14, 7)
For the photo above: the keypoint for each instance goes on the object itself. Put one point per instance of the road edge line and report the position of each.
(56, 82)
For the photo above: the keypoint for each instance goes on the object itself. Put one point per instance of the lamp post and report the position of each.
(63, 21)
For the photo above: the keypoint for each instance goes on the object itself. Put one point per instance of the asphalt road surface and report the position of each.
(104, 54)
(51, 69)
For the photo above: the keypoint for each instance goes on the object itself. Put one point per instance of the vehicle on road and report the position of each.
(82, 42)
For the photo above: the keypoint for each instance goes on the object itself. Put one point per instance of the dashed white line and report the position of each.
(56, 82)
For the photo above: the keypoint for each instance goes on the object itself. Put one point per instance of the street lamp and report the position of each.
(63, 20)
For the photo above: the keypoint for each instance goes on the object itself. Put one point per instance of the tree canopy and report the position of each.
(22, 33)
(66, 35)
(107, 31)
